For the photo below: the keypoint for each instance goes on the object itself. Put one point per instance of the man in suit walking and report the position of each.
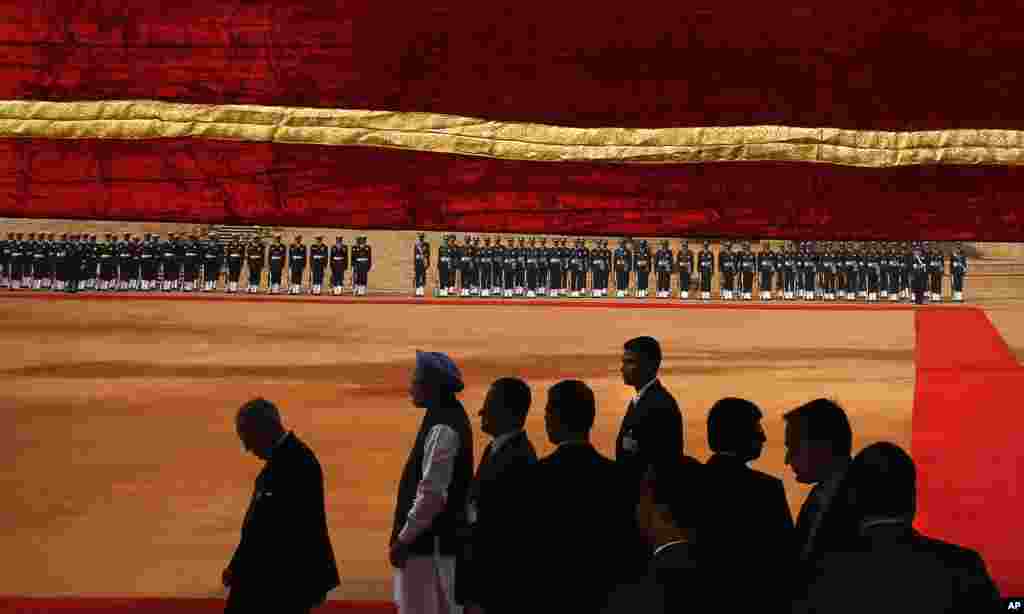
(748, 525)
(575, 516)
(491, 495)
(284, 562)
(891, 567)
(430, 506)
(818, 445)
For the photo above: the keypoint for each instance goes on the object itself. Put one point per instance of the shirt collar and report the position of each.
(643, 389)
(666, 545)
(502, 439)
(279, 442)
(868, 523)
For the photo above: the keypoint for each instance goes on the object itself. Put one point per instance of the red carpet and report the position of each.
(967, 425)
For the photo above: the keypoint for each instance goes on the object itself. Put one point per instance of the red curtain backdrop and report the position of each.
(201, 181)
(868, 65)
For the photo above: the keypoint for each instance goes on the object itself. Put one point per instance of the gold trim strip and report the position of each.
(146, 119)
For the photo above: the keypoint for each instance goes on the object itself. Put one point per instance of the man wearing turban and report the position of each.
(430, 506)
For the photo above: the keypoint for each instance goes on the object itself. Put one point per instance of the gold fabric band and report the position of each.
(144, 119)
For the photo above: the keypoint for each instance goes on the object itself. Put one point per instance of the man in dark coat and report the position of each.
(574, 521)
(255, 256)
(651, 433)
(891, 567)
(748, 529)
(284, 562)
(492, 495)
(318, 264)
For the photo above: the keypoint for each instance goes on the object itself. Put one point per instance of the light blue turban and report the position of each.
(441, 365)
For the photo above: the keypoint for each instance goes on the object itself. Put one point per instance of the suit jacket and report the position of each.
(896, 569)
(674, 582)
(575, 527)
(285, 552)
(748, 528)
(492, 493)
(835, 531)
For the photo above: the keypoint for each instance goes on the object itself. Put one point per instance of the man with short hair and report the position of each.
(430, 506)
(235, 258)
(892, 567)
(298, 257)
(276, 256)
(818, 444)
(339, 263)
(193, 260)
(748, 528)
(255, 255)
(284, 562)
(318, 264)
(492, 494)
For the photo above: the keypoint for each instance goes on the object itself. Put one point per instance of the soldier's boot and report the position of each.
(443, 292)
(894, 298)
(958, 297)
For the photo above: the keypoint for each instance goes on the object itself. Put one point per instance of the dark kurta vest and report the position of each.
(452, 517)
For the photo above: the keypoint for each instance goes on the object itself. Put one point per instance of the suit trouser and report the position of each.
(446, 276)
(419, 276)
(130, 271)
(108, 270)
(510, 279)
(851, 282)
(40, 270)
(748, 281)
(148, 268)
(191, 272)
(318, 275)
(240, 603)
(958, 282)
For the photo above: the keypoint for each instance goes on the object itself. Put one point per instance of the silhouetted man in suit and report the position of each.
(652, 429)
(818, 445)
(748, 528)
(575, 514)
(891, 567)
(491, 495)
(669, 514)
(284, 562)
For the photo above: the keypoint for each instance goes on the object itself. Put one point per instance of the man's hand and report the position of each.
(399, 554)
(226, 577)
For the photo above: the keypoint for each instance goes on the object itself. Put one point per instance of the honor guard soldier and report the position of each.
(873, 265)
(862, 271)
(622, 261)
(149, 255)
(193, 259)
(60, 260)
(936, 268)
(766, 264)
(318, 264)
(362, 262)
(180, 247)
(727, 268)
(169, 262)
(298, 257)
(474, 267)
(455, 251)
(137, 248)
(445, 269)
(542, 267)
(255, 256)
(276, 256)
(908, 271)
(485, 267)
(957, 270)
(685, 267)
(883, 271)
(26, 255)
(108, 264)
(565, 255)
(72, 265)
(852, 273)
(510, 267)
(919, 274)
(128, 263)
(213, 262)
(235, 258)
(555, 264)
(642, 258)
(577, 269)
(788, 271)
(663, 267)
(498, 267)
(20, 260)
(51, 262)
(5, 261)
(829, 267)
(810, 271)
(895, 273)
(597, 268)
(421, 263)
(465, 266)
(38, 251)
(532, 270)
(521, 254)
(606, 274)
(339, 264)
(706, 270)
(747, 267)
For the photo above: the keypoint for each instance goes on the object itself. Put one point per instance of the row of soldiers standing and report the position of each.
(800, 271)
(80, 262)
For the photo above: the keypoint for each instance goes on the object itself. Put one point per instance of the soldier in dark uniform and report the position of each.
(908, 270)
(663, 266)
(455, 252)
(727, 268)
(40, 262)
(181, 247)
(521, 253)
(510, 268)
(298, 257)
(577, 269)
(810, 271)
(58, 262)
(72, 264)
(542, 267)
(685, 267)
(485, 267)
(169, 262)
(873, 266)
(642, 265)
(445, 265)
(318, 264)
(936, 268)
(193, 258)
(421, 263)
(339, 264)
(255, 256)
(787, 269)
(957, 269)
(465, 266)
(235, 258)
(747, 268)
(149, 254)
(137, 248)
(825, 268)
(122, 262)
(863, 277)
(5, 261)
(919, 274)
(362, 262)
(598, 269)
(766, 265)
(213, 262)
(895, 272)
(108, 264)
(555, 264)
(474, 267)
(49, 282)
(706, 269)
(276, 257)
(852, 273)
(532, 269)
(127, 263)
(622, 261)
(498, 267)
(24, 260)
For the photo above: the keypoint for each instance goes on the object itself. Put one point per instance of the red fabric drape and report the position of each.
(307, 185)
